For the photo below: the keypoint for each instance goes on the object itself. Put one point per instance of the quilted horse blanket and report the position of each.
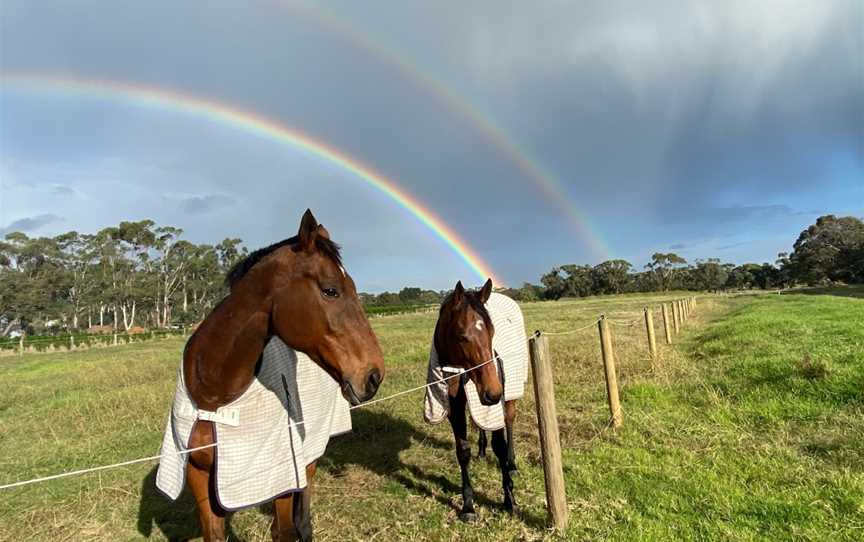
(266, 437)
(511, 348)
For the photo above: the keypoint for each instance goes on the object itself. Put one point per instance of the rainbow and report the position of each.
(256, 125)
(548, 184)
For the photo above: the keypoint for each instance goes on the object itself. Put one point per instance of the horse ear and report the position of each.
(308, 231)
(486, 291)
(322, 232)
(458, 292)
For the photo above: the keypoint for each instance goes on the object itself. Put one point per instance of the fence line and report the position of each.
(68, 343)
(546, 428)
(571, 332)
(295, 424)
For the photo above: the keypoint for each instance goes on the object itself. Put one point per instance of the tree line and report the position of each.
(141, 274)
(132, 274)
(135, 274)
(827, 252)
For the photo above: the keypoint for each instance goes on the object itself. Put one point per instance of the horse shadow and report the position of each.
(376, 443)
(177, 520)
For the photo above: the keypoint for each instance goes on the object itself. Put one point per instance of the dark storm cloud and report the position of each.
(29, 224)
(653, 114)
(660, 121)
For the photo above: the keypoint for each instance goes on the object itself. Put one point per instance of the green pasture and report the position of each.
(749, 427)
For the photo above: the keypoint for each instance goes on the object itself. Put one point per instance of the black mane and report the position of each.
(239, 269)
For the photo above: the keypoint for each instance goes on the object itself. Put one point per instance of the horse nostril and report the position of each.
(373, 381)
(489, 399)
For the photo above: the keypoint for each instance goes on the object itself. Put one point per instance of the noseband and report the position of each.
(445, 368)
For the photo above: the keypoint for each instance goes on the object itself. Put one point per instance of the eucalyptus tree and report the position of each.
(665, 268)
(831, 249)
(79, 264)
(32, 280)
(611, 276)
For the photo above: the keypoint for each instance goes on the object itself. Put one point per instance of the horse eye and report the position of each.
(330, 292)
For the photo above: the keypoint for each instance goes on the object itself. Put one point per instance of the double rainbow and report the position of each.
(550, 186)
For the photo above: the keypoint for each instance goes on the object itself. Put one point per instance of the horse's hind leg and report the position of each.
(198, 471)
(463, 453)
(481, 443)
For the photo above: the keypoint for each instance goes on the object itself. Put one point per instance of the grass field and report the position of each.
(750, 427)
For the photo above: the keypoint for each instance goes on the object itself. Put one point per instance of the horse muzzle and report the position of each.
(368, 389)
(489, 399)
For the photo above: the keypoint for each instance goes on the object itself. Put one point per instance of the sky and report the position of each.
(539, 134)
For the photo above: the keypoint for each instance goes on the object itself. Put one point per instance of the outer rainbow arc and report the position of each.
(549, 186)
(257, 125)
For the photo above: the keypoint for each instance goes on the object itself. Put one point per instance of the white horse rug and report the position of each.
(262, 452)
(510, 345)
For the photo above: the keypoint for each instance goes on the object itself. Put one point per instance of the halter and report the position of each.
(459, 370)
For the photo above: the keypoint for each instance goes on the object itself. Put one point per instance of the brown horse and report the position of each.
(297, 290)
(463, 339)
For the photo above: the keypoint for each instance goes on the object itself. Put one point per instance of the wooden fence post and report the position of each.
(71, 342)
(21, 345)
(115, 337)
(550, 440)
(649, 328)
(667, 327)
(675, 317)
(609, 367)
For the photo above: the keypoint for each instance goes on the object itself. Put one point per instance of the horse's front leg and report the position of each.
(292, 520)
(500, 447)
(463, 452)
(503, 447)
(509, 419)
(199, 472)
(282, 528)
(303, 507)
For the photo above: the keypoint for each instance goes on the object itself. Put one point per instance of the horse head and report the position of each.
(314, 308)
(463, 338)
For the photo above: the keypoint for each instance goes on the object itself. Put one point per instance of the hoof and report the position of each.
(468, 517)
(510, 508)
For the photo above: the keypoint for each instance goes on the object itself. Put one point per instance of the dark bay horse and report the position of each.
(463, 339)
(297, 290)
